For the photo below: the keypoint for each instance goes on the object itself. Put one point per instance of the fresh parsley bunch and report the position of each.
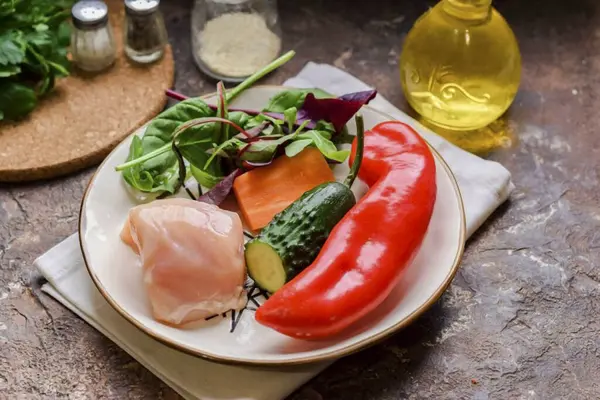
(34, 40)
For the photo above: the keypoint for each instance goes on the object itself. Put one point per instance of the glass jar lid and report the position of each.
(89, 14)
(141, 7)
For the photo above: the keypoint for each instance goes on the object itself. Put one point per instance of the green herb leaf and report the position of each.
(263, 151)
(292, 98)
(325, 126)
(239, 118)
(63, 34)
(16, 100)
(204, 178)
(325, 146)
(59, 69)
(228, 149)
(10, 52)
(290, 117)
(297, 146)
(34, 36)
(46, 85)
(9, 70)
(43, 42)
(274, 129)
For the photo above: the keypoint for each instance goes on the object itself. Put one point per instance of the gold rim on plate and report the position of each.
(352, 348)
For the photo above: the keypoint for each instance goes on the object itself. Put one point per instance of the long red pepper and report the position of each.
(365, 255)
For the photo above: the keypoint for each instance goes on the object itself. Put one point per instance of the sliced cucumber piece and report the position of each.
(292, 241)
(265, 266)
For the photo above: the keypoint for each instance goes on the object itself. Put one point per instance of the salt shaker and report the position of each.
(232, 39)
(145, 35)
(92, 43)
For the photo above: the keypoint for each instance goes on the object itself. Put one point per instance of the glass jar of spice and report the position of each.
(92, 43)
(145, 35)
(232, 39)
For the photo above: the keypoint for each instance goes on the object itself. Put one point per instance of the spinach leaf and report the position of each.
(158, 171)
(292, 98)
(193, 144)
(165, 124)
(146, 180)
(141, 180)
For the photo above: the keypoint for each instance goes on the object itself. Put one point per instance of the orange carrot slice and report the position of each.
(264, 192)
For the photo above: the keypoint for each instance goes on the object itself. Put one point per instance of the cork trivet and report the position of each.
(85, 117)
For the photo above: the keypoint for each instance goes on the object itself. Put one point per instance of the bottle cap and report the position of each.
(89, 14)
(141, 7)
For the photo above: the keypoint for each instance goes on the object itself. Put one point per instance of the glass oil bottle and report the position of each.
(460, 66)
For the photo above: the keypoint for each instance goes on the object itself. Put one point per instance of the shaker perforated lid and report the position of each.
(89, 14)
(141, 7)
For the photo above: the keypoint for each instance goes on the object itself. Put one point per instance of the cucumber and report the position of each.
(293, 239)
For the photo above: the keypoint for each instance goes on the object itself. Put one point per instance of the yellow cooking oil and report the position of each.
(460, 65)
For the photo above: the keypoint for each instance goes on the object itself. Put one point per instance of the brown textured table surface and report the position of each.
(520, 320)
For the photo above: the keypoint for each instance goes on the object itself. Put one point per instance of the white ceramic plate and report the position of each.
(116, 272)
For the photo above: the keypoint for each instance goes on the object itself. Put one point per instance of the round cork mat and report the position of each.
(86, 116)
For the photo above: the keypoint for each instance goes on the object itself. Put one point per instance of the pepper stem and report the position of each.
(360, 145)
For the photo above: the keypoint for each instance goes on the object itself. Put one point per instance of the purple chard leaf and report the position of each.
(221, 190)
(338, 110)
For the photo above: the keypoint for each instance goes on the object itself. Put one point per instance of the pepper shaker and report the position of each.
(92, 43)
(145, 35)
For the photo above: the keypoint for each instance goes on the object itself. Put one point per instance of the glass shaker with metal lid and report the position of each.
(145, 35)
(92, 43)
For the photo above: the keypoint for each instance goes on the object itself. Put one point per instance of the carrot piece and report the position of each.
(264, 192)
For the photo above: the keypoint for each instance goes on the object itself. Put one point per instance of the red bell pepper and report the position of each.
(366, 253)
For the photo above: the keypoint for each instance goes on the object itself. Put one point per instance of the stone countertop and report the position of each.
(520, 320)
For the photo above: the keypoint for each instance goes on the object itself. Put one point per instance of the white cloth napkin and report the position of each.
(484, 186)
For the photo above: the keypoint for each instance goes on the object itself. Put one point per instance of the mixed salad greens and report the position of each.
(214, 144)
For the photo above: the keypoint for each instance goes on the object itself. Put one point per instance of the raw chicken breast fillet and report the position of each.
(192, 257)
